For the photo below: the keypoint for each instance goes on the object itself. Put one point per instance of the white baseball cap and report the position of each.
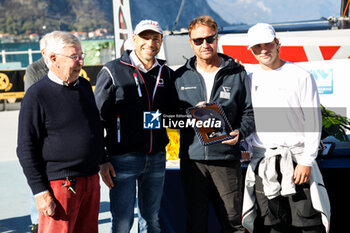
(260, 33)
(147, 24)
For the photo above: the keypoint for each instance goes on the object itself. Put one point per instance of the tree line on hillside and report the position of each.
(22, 18)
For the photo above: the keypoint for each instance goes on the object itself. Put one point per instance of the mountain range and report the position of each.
(273, 11)
(23, 17)
(165, 12)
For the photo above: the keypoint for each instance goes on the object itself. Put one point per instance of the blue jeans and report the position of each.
(149, 172)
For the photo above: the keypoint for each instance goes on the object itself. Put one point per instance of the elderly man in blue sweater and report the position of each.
(60, 141)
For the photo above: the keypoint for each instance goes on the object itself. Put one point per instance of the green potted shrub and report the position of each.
(334, 125)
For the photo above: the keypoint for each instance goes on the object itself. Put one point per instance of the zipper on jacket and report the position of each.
(153, 96)
(150, 102)
(203, 89)
(205, 153)
(215, 84)
(137, 85)
(149, 108)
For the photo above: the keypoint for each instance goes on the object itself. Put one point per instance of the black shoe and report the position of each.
(34, 228)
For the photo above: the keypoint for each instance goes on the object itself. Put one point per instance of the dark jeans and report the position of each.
(287, 214)
(147, 173)
(219, 182)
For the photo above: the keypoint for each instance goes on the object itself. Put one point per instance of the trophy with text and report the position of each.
(211, 125)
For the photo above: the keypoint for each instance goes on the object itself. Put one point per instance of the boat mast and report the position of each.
(344, 14)
(178, 16)
(122, 25)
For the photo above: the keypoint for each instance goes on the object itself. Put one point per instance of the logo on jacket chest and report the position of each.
(161, 82)
(225, 93)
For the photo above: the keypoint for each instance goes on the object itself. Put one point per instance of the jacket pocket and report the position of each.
(304, 214)
(118, 129)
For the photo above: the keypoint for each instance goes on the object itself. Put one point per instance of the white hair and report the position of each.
(43, 45)
(55, 41)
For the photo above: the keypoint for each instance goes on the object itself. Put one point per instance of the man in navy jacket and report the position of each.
(213, 173)
(128, 90)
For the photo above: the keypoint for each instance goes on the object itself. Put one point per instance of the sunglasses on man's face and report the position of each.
(209, 40)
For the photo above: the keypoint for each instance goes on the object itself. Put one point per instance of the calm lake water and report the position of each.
(92, 48)
(22, 46)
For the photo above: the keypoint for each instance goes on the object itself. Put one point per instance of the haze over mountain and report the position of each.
(23, 17)
(165, 12)
(272, 11)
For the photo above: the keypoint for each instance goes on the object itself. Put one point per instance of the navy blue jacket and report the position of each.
(123, 95)
(230, 90)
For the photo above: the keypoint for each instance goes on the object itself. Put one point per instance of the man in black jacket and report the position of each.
(38, 69)
(213, 173)
(131, 93)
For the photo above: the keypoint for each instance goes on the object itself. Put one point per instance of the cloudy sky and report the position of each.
(272, 11)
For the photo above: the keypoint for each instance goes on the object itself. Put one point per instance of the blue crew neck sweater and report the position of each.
(59, 133)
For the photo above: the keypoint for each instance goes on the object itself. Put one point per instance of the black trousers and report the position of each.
(286, 214)
(219, 182)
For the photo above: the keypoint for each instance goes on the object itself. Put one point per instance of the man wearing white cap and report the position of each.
(283, 180)
(126, 88)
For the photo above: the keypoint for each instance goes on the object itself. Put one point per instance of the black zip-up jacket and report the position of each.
(230, 90)
(123, 94)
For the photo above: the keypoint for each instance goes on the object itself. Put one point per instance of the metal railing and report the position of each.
(30, 53)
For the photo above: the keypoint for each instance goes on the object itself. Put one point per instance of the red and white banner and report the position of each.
(302, 46)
